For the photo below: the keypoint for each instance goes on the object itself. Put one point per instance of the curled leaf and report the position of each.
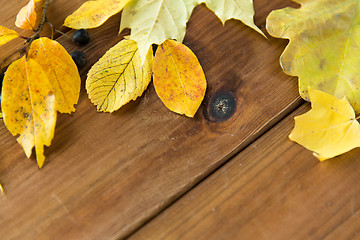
(329, 128)
(324, 46)
(26, 18)
(61, 71)
(119, 77)
(6, 35)
(92, 14)
(28, 106)
(178, 78)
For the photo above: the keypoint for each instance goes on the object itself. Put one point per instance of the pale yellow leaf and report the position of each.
(60, 70)
(329, 128)
(94, 13)
(118, 77)
(28, 106)
(179, 80)
(6, 35)
(26, 18)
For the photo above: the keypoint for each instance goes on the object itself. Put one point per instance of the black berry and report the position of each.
(81, 37)
(79, 58)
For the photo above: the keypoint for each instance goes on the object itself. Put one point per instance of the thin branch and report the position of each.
(29, 40)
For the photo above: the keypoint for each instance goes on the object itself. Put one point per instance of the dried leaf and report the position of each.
(118, 77)
(61, 71)
(178, 78)
(324, 46)
(6, 35)
(26, 18)
(329, 128)
(94, 13)
(28, 106)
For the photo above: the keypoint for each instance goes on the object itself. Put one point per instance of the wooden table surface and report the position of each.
(144, 172)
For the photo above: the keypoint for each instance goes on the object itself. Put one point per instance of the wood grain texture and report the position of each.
(274, 189)
(107, 174)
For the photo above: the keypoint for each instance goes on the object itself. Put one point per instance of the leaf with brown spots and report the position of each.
(178, 78)
(28, 105)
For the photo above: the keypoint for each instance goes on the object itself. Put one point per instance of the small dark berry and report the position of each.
(79, 58)
(81, 37)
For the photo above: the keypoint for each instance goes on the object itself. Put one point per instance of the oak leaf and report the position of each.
(6, 35)
(329, 128)
(94, 13)
(28, 106)
(179, 80)
(324, 46)
(26, 18)
(61, 71)
(119, 76)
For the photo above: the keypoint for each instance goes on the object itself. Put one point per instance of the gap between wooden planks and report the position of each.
(107, 174)
(273, 189)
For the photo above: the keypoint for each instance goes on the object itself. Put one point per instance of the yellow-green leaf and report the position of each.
(242, 10)
(61, 71)
(329, 128)
(28, 106)
(324, 46)
(94, 13)
(26, 18)
(6, 35)
(119, 76)
(154, 21)
(178, 78)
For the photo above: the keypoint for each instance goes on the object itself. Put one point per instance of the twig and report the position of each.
(29, 40)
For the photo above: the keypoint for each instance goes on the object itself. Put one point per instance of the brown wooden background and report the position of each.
(144, 172)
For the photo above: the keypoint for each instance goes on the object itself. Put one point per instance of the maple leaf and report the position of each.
(329, 128)
(6, 35)
(324, 46)
(154, 21)
(28, 106)
(118, 77)
(26, 18)
(94, 13)
(179, 80)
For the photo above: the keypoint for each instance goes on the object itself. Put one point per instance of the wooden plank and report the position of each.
(107, 174)
(274, 189)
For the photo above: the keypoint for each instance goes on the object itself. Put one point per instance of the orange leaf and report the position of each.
(178, 78)
(28, 106)
(6, 35)
(60, 70)
(26, 17)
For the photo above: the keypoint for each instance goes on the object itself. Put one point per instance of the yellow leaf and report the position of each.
(6, 35)
(60, 70)
(28, 106)
(329, 128)
(2, 189)
(324, 46)
(26, 18)
(178, 78)
(94, 13)
(119, 77)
